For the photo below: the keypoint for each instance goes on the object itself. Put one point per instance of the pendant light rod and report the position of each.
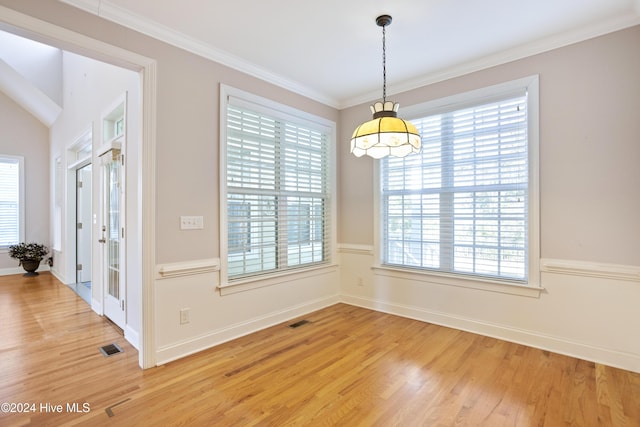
(386, 134)
(383, 21)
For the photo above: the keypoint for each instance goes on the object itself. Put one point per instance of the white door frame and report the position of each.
(73, 161)
(112, 304)
(84, 211)
(30, 27)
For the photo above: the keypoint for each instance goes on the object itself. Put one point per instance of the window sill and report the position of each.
(445, 279)
(275, 279)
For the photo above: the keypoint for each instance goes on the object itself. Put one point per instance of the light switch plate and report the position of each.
(191, 223)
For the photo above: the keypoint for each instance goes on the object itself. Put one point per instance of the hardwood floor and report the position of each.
(348, 366)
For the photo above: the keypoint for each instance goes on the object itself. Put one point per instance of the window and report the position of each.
(11, 201)
(278, 174)
(464, 204)
(239, 222)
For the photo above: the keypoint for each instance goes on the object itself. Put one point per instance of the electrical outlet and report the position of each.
(191, 223)
(184, 316)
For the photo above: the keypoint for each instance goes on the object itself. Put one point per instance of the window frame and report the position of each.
(21, 198)
(471, 98)
(278, 110)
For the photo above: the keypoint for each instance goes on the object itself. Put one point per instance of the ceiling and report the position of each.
(331, 50)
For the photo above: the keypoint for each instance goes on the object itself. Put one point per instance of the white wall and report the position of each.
(21, 134)
(91, 89)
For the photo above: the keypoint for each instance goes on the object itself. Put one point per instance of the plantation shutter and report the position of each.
(277, 192)
(461, 205)
(9, 201)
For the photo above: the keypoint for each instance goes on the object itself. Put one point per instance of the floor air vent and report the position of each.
(298, 324)
(110, 350)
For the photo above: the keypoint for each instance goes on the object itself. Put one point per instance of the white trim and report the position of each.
(345, 248)
(122, 16)
(146, 212)
(186, 268)
(21, 198)
(622, 360)
(19, 270)
(96, 306)
(110, 11)
(184, 348)
(591, 269)
(279, 110)
(68, 242)
(484, 94)
(241, 98)
(532, 84)
(132, 337)
(54, 271)
(450, 279)
(36, 29)
(275, 279)
(27, 26)
(222, 182)
(516, 53)
(79, 164)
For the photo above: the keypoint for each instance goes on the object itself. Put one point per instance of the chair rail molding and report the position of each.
(591, 269)
(185, 268)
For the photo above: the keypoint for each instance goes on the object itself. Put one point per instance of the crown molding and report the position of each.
(520, 52)
(124, 17)
(118, 15)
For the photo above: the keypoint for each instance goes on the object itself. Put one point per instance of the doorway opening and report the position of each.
(139, 329)
(83, 232)
(80, 186)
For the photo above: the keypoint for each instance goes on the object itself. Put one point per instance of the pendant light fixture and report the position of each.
(386, 134)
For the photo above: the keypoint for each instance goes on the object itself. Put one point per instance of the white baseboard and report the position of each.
(605, 356)
(20, 270)
(176, 351)
(96, 306)
(58, 276)
(132, 337)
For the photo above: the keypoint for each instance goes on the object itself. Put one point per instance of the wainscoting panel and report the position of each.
(585, 310)
(214, 318)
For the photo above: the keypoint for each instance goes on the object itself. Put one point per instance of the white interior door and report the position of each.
(112, 238)
(83, 224)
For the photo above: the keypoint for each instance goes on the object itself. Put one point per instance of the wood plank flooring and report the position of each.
(347, 367)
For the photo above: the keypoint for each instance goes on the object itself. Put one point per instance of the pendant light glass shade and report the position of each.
(386, 134)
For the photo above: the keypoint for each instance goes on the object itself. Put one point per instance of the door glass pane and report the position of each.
(113, 227)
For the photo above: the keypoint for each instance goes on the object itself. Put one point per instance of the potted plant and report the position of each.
(29, 255)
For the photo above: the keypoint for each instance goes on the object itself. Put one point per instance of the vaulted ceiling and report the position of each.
(31, 75)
